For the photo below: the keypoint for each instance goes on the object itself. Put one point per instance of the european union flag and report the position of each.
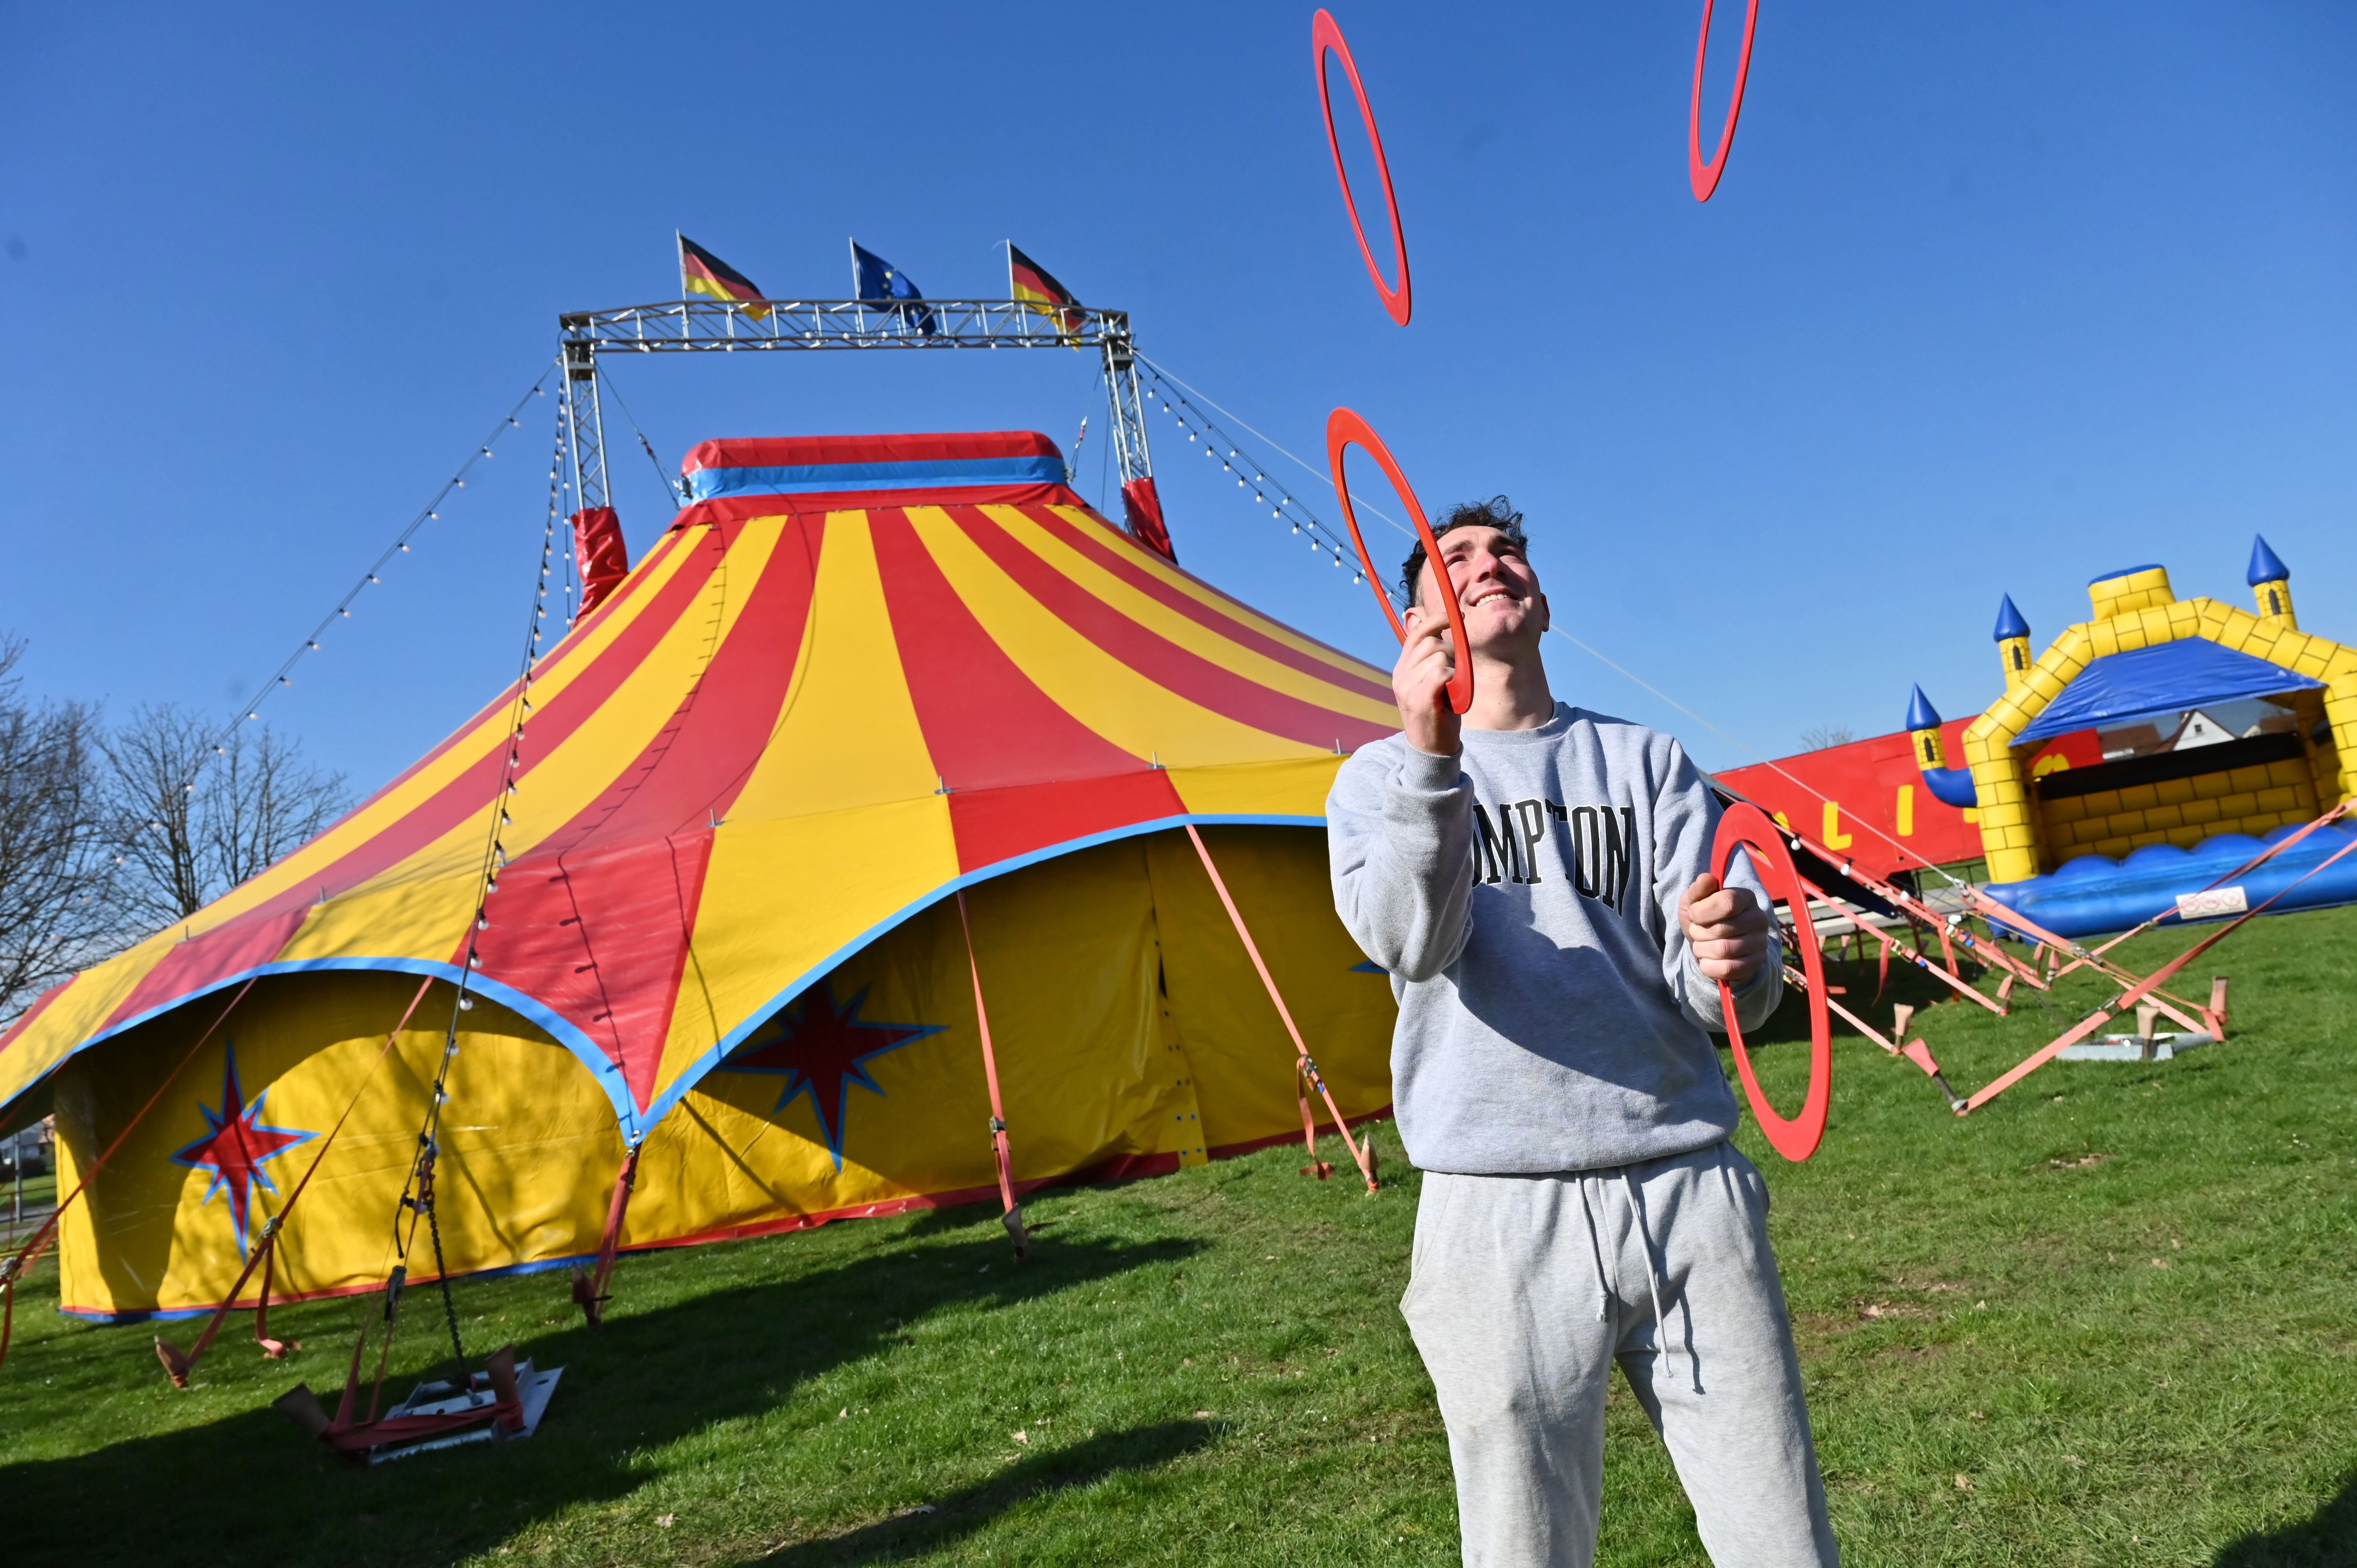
(872, 277)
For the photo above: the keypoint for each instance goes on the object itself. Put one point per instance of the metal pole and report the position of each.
(584, 430)
(1128, 406)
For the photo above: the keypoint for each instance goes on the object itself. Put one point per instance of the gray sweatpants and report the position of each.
(1524, 1292)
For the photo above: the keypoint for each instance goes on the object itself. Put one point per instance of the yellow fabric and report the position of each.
(525, 1121)
(1130, 1029)
(815, 846)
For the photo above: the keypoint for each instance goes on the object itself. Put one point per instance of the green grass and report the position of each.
(2106, 1320)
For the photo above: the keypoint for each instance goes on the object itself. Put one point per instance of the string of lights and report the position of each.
(1266, 488)
(431, 511)
(417, 1190)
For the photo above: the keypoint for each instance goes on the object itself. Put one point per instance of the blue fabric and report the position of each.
(2094, 893)
(2146, 683)
(877, 279)
(1952, 787)
(2008, 621)
(2266, 567)
(1920, 713)
(802, 478)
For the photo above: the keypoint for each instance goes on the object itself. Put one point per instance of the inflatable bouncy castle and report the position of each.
(2153, 750)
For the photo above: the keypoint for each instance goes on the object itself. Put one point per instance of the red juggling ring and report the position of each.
(1749, 827)
(1703, 177)
(1324, 35)
(1345, 429)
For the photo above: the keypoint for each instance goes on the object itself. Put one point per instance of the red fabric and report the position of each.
(465, 796)
(1141, 507)
(794, 451)
(1236, 628)
(595, 920)
(1161, 660)
(599, 554)
(1022, 773)
(1863, 778)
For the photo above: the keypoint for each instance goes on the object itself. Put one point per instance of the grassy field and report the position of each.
(2106, 1320)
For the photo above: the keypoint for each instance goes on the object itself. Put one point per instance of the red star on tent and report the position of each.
(821, 1049)
(236, 1147)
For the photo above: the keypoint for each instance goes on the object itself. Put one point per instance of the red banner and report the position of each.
(598, 553)
(1866, 801)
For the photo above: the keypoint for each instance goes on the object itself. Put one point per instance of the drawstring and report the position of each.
(1603, 1292)
(1653, 1279)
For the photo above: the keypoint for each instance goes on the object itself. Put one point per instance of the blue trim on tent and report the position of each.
(2168, 678)
(609, 1073)
(566, 1033)
(2124, 572)
(694, 1072)
(797, 479)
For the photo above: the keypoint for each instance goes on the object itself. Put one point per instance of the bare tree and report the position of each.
(55, 913)
(195, 815)
(1824, 735)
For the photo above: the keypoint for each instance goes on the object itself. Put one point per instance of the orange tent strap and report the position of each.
(29, 1253)
(1305, 1065)
(178, 1363)
(590, 1292)
(1001, 1150)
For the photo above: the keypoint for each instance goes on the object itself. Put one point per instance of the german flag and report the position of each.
(1027, 280)
(701, 272)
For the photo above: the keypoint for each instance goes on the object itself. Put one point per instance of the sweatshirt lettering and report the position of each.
(1599, 858)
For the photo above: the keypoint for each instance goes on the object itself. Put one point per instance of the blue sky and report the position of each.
(1992, 298)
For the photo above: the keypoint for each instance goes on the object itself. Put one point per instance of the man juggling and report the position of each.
(1535, 878)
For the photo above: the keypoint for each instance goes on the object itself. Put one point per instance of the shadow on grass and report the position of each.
(649, 1378)
(969, 1509)
(2326, 1539)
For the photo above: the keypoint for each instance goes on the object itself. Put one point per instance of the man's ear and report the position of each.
(1547, 612)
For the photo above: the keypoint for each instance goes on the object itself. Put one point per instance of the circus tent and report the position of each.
(855, 676)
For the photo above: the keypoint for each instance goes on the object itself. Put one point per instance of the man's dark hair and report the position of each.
(1497, 513)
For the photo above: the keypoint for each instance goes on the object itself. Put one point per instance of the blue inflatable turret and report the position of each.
(2012, 636)
(1952, 785)
(2271, 586)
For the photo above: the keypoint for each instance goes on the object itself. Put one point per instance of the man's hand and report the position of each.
(1420, 682)
(1726, 928)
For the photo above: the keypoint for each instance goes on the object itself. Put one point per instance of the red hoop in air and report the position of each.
(1326, 34)
(1703, 177)
(1752, 827)
(1343, 429)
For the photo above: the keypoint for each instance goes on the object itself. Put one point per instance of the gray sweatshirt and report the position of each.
(1524, 896)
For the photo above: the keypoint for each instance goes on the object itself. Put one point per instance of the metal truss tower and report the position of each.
(730, 326)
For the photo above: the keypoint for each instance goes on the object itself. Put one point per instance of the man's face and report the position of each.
(1497, 592)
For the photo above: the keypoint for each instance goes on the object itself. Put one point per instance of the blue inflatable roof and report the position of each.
(2008, 621)
(2265, 566)
(2147, 683)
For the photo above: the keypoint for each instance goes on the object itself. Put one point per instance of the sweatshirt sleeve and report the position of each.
(1685, 820)
(1399, 837)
